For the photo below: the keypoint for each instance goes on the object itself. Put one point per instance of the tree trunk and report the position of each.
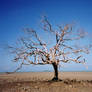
(55, 66)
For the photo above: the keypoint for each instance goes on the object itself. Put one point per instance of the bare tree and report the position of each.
(38, 52)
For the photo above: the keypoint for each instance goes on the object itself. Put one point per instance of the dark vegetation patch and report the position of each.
(33, 86)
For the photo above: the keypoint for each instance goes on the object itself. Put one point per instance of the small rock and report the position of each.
(70, 86)
(18, 84)
(36, 87)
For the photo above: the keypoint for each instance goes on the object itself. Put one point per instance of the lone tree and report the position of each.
(33, 50)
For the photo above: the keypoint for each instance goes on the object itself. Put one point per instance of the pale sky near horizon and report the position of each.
(18, 14)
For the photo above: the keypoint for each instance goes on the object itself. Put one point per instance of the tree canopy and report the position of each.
(34, 50)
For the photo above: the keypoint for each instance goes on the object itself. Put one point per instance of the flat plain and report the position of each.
(41, 82)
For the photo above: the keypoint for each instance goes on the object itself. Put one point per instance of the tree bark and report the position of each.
(55, 66)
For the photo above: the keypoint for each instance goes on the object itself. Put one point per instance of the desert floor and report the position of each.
(41, 82)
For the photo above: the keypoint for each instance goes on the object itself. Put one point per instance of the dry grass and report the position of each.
(40, 82)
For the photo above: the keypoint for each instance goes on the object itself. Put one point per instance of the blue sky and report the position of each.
(18, 14)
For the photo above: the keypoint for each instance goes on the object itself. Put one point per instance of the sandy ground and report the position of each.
(41, 82)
